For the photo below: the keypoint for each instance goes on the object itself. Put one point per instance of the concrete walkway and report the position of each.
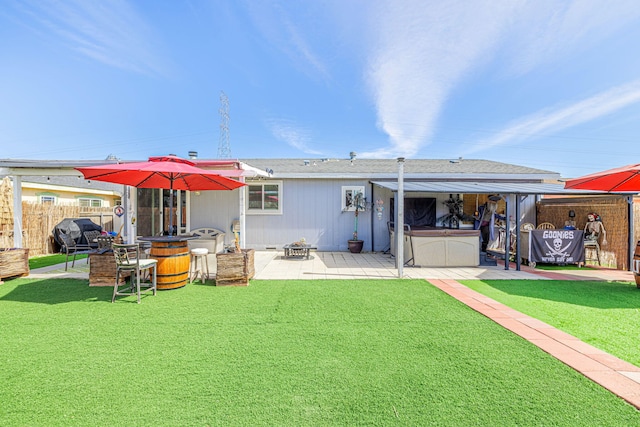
(616, 375)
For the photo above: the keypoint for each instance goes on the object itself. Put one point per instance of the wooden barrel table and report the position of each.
(172, 253)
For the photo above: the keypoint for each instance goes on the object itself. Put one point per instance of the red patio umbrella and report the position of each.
(625, 179)
(166, 172)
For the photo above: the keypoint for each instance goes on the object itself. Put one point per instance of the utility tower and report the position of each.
(224, 149)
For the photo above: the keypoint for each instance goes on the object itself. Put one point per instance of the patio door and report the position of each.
(149, 215)
(179, 211)
(178, 215)
(153, 212)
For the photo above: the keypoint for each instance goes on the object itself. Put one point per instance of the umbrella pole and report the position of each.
(171, 209)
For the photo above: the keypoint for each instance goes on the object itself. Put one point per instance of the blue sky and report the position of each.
(548, 84)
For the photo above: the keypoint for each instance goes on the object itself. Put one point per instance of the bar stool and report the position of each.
(198, 254)
(592, 244)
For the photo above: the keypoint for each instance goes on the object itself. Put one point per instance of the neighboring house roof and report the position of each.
(73, 183)
(22, 167)
(436, 169)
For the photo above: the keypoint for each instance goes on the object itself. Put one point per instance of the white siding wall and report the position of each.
(312, 209)
(215, 209)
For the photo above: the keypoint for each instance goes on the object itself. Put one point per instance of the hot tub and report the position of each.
(442, 247)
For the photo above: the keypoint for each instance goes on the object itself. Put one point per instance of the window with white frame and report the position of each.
(86, 202)
(48, 200)
(264, 197)
(349, 193)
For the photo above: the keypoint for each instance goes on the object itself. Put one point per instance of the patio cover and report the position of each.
(485, 187)
(475, 187)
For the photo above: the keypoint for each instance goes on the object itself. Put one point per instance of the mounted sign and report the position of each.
(556, 246)
(118, 210)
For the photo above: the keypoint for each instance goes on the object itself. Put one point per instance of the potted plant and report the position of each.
(355, 244)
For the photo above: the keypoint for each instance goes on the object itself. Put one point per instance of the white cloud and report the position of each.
(112, 33)
(554, 120)
(276, 24)
(292, 134)
(546, 30)
(421, 53)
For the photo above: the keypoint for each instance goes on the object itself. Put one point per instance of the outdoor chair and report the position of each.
(91, 238)
(545, 226)
(525, 227)
(104, 242)
(210, 238)
(70, 247)
(128, 259)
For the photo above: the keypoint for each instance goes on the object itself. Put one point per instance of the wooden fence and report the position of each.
(613, 209)
(38, 221)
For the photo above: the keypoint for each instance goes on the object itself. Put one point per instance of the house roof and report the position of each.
(324, 168)
(460, 169)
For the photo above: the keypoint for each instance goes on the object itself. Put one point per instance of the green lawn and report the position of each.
(603, 314)
(303, 353)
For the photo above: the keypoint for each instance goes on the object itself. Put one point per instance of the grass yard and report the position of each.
(603, 314)
(304, 353)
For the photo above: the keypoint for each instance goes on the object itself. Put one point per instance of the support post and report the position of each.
(399, 227)
(129, 216)
(631, 230)
(242, 216)
(507, 232)
(17, 211)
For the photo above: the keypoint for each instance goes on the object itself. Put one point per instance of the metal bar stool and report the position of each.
(198, 254)
(128, 259)
(592, 244)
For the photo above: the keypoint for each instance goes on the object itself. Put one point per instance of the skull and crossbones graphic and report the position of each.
(557, 248)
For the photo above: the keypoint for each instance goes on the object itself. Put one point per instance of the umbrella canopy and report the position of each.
(166, 172)
(625, 179)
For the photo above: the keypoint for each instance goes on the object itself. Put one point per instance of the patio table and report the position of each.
(172, 253)
(292, 250)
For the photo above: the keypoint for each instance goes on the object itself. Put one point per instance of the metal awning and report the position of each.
(504, 188)
(474, 187)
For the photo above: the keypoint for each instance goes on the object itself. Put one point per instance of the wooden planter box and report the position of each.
(235, 268)
(102, 269)
(14, 262)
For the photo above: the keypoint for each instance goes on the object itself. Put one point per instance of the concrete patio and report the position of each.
(272, 265)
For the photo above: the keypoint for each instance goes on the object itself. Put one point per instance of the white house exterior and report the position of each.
(311, 194)
(287, 199)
